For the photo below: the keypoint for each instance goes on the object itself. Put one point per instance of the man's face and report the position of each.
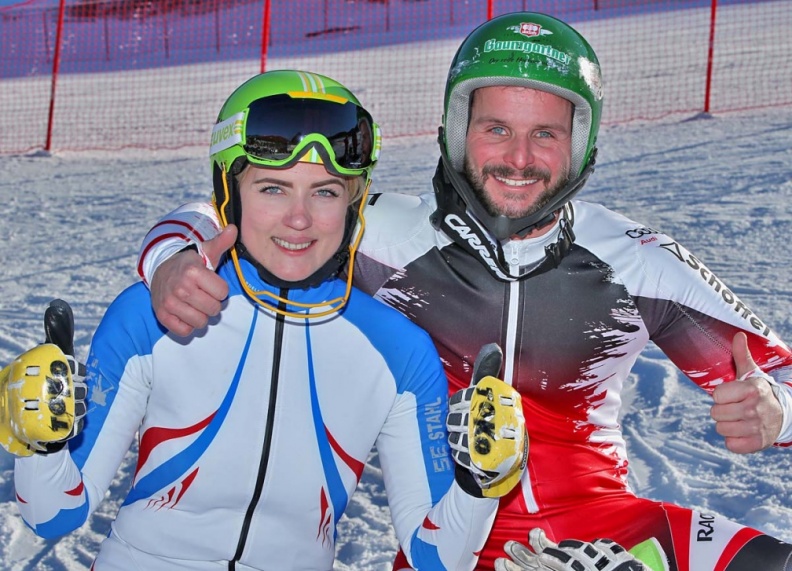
(518, 148)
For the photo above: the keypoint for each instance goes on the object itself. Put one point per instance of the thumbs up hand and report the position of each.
(747, 412)
(185, 292)
(43, 391)
(486, 430)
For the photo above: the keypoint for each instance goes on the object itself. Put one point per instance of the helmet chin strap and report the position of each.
(330, 269)
(278, 303)
(462, 218)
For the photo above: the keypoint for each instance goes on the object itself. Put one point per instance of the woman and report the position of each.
(254, 431)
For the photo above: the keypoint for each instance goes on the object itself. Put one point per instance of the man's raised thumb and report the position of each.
(743, 361)
(220, 244)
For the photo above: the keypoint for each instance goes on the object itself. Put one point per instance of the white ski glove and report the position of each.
(43, 392)
(489, 415)
(569, 555)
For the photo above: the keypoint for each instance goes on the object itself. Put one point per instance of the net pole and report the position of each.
(265, 32)
(710, 56)
(55, 70)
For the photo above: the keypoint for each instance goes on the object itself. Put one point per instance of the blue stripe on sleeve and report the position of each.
(128, 328)
(412, 358)
(65, 522)
(425, 555)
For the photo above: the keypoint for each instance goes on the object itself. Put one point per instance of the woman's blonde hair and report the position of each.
(356, 187)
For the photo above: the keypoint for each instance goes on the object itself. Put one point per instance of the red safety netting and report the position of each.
(153, 73)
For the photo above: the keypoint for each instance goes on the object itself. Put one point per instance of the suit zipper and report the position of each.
(265, 450)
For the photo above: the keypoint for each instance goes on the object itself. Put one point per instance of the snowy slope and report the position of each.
(722, 186)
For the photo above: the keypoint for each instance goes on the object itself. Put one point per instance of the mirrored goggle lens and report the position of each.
(276, 125)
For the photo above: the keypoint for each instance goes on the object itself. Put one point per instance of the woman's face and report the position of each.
(292, 219)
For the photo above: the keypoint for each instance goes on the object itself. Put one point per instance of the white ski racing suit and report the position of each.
(253, 434)
(570, 336)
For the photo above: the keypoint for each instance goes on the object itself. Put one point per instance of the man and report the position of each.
(572, 291)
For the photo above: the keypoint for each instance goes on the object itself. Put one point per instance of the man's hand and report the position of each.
(746, 413)
(569, 555)
(184, 292)
(486, 430)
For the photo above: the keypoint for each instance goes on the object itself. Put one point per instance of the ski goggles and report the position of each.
(278, 130)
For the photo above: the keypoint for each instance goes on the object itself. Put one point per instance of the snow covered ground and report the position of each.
(721, 185)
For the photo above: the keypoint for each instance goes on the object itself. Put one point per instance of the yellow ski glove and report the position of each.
(486, 429)
(42, 393)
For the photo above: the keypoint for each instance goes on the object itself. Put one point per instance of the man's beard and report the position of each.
(477, 184)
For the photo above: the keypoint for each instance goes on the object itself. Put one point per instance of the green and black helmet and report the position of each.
(524, 49)
(280, 117)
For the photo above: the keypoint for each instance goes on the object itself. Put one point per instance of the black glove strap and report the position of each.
(52, 447)
(467, 482)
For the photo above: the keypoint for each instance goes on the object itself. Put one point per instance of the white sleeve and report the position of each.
(190, 224)
(49, 485)
(780, 380)
(438, 525)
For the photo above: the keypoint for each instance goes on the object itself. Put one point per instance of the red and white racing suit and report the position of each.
(570, 337)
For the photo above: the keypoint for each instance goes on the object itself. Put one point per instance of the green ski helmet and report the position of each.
(276, 119)
(525, 49)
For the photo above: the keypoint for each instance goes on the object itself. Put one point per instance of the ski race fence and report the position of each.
(152, 74)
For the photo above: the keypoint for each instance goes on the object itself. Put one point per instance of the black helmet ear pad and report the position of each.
(226, 192)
